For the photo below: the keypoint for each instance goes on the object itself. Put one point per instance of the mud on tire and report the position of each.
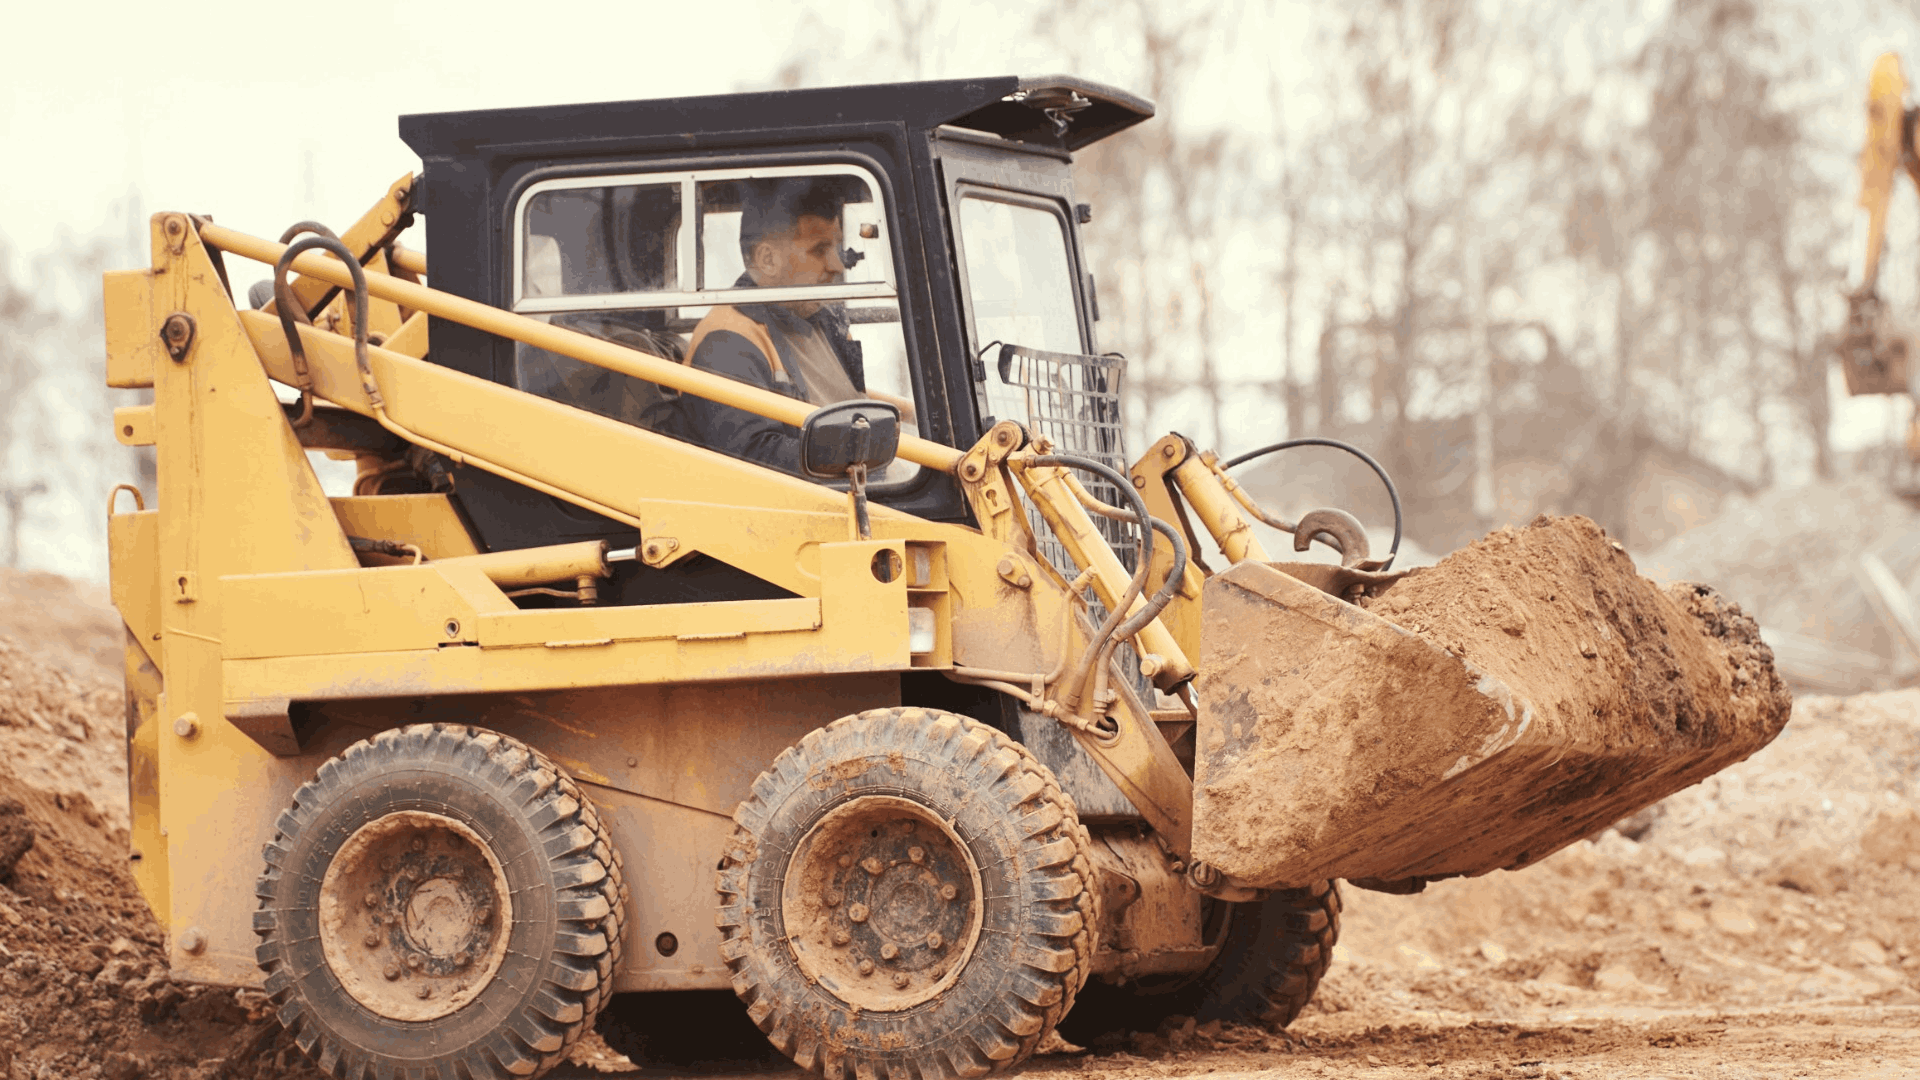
(426, 950)
(1272, 957)
(908, 892)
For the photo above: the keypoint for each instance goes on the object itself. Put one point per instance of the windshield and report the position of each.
(1020, 286)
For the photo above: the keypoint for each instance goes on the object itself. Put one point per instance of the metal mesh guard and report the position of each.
(1074, 402)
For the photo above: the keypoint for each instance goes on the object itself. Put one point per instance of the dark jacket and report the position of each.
(727, 346)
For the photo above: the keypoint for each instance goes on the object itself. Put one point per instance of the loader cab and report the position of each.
(622, 220)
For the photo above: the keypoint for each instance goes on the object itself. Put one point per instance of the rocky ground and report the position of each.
(1763, 923)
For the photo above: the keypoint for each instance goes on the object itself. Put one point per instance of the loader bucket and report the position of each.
(1477, 715)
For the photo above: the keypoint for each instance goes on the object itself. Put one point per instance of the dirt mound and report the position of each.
(83, 982)
(69, 624)
(84, 990)
(1790, 556)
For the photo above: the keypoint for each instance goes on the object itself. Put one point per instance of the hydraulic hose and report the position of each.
(1070, 687)
(1393, 493)
(285, 306)
(1168, 588)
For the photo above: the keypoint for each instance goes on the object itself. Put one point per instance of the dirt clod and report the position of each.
(16, 836)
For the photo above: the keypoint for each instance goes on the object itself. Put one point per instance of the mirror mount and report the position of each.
(844, 441)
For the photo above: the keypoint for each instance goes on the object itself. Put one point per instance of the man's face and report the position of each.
(809, 255)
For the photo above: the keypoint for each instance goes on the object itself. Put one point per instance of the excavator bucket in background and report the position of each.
(1873, 346)
(1473, 716)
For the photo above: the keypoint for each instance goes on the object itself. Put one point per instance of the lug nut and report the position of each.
(846, 861)
(423, 991)
(948, 892)
(935, 941)
(889, 951)
(917, 854)
(372, 899)
(372, 939)
(900, 980)
(841, 937)
(866, 966)
(858, 913)
(414, 960)
(484, 916)
(872, 865)
(462, 959)
(833, 898)
(388, 862)
(419, 844)
(391, 971)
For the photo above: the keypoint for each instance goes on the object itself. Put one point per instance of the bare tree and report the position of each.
(24, 319)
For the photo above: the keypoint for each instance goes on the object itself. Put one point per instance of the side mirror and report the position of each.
(839, 439)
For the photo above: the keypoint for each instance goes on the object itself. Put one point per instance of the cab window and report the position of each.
(641, 259)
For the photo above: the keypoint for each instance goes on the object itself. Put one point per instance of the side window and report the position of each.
(1019, 286)
(657, 262)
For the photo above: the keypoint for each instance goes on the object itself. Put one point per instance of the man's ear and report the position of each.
(766, 260)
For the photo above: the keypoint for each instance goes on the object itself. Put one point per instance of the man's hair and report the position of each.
(774, 207)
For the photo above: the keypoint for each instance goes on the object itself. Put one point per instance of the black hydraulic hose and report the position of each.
(313, 227)
(284, 307)
(1111, 475)
(1071, 686)
(1164, 596)
(1393, 493)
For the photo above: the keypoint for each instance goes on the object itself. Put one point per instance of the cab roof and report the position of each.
(1055, 110)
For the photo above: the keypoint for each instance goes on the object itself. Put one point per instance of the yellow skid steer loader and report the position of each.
(645, 682)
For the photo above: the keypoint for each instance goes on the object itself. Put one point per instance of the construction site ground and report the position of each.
(1763, 923)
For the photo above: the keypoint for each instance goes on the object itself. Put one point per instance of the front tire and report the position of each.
(908, 892)
(439, 900)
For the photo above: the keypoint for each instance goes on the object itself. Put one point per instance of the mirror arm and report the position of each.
(857, 476)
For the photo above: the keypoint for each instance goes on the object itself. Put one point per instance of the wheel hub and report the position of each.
(881, 903)
(414, 911)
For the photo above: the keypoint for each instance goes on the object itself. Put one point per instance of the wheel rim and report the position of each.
(881, 903)
(414, 911)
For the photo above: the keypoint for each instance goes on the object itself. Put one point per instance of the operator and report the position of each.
(790, 235)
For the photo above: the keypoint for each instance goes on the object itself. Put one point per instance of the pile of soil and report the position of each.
(84, 991)
(1790, 556)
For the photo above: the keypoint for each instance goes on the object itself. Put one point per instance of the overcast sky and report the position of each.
(264, 113)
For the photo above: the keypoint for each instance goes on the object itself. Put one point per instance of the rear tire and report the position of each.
(1271, 960)
(439, 900)
(908, 893)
